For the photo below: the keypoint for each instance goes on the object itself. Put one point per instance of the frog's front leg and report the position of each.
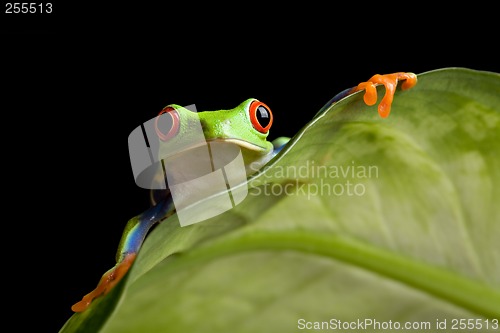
(130, 243)
(390, 82)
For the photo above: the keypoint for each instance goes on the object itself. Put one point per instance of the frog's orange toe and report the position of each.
(410, 81)
(370, 97)
(101, 289)
(390, 82)
(83, 304)
(107, 282)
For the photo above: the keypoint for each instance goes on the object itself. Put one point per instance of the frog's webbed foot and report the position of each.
(390, 82)
(107, 282)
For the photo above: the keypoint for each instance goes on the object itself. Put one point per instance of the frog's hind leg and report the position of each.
(130, 243)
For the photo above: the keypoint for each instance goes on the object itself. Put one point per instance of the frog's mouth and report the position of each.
(241, 143)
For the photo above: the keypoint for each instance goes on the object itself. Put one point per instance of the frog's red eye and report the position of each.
(167, 123)
(261, 116)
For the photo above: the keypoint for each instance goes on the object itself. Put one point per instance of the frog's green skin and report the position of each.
(232, 127)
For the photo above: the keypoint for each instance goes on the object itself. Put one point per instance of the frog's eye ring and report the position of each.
(261, 116)
(167, 123)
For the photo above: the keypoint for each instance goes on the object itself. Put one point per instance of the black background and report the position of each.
(76, 83)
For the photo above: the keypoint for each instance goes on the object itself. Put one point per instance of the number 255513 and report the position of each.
(28, 8)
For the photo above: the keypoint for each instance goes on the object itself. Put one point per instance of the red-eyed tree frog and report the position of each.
(247, 126)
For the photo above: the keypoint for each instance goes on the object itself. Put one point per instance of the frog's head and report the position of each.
(246, 126)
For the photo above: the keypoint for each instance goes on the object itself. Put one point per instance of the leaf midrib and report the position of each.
(446, 285)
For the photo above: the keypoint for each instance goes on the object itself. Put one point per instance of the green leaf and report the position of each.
(360, 218)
